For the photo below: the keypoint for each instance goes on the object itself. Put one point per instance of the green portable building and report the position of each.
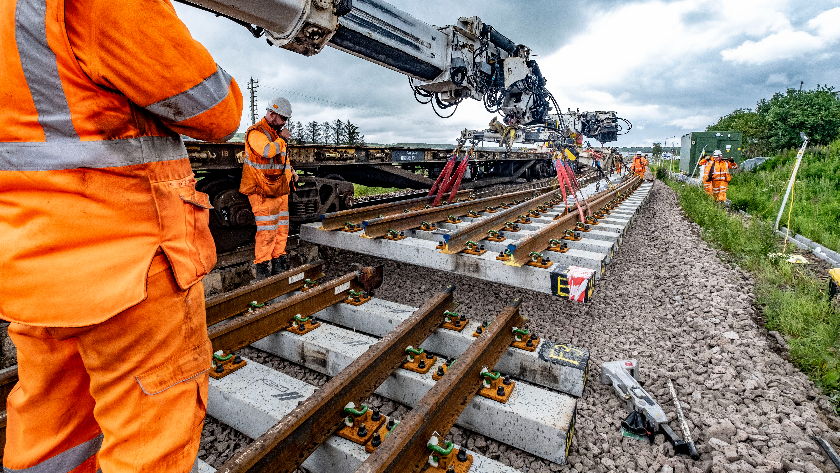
(728, 142)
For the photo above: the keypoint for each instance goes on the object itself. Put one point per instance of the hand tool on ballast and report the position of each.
(828, 451)
(692, 450)
(646, 417)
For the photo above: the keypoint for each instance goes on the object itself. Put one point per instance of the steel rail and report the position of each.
(286, 445)
(249, 327)
(223, 306)
(404, 449)
(379, 227)
(8, 378)
(337, 220)
(522, 249)
(457, 241)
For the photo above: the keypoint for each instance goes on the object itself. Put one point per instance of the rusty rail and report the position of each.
(404, 450)
(285, 446)
(337, 220)
(457, 241)
(223, 306)
(249, 327)
(536, 242)
(379, 227)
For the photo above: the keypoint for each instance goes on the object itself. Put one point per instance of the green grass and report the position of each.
(816, 198)
(364, 191)
(793, 298)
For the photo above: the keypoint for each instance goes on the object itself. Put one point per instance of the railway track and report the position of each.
(295, 316)
(292, 423)
(527, 238)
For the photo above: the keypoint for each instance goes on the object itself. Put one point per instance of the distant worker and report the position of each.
(618, 161)
(639, 164)
(705, 162)
(104, 235)
(719, 175)
(267, 177)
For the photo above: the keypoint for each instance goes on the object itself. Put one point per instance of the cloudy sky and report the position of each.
(670, 67)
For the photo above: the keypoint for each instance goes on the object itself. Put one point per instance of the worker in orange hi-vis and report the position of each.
(639, 165)
(105, 238)
(706, 161)
(266, 179)
(719, 175)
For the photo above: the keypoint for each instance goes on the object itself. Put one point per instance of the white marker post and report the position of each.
(792, 178)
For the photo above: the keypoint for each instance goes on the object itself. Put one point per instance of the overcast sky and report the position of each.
(670, 67)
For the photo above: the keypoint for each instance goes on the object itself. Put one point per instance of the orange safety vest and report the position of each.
(266, 170)
(719, 170)
(639, 164)
(94, 176)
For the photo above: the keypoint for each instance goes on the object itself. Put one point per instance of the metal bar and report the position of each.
(457, 241)
(247, 328)
(521, 249)
(286, 445)
(337, 220)
(231, 303)
(405, 449)
(3, 419)
(379, 227)
(8, 379)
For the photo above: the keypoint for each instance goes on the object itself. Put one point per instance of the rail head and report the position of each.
(228, 304)
(405, 449)
(379, 227)
(242, 330)
(320, 415)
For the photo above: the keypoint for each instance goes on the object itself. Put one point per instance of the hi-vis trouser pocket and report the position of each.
(186, 239)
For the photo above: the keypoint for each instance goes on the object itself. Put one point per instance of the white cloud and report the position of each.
(778, 79)
(693, 122)
(789, 43)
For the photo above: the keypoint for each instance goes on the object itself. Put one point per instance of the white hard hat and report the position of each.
(717, 153)
(280, 106)
(638, 153)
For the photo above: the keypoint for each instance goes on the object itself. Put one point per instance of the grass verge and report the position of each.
(364, 191)
(793, 298)
(816, 201)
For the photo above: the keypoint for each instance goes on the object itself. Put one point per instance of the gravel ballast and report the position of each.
(668, 301)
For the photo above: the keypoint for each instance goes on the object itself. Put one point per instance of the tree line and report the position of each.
(775, 123)
(328, 133)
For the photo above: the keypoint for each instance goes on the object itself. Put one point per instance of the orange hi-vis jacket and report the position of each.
(266, 170)
(719, 170)
(639, 164)
(94, 176)
(703, 162)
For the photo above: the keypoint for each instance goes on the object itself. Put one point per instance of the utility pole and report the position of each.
(252, 87)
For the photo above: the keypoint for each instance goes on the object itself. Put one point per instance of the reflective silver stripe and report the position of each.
(40, 156)
(283, 214)
(265, 166)
(283, 223)
(268, 218)
(267, 134)
(65, 461)
(195, 101)
(267, 151)
(40, 68)
(266, 227)
(195, 466)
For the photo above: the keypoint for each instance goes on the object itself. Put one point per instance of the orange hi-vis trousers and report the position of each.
(719, 190)
(126, 395)
(272, 216)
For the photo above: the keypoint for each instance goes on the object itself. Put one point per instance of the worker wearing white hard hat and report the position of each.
(267, 180)
(639, 165)
(719, 175)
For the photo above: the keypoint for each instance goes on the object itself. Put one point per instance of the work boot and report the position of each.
(279, 264)
(263, 270)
